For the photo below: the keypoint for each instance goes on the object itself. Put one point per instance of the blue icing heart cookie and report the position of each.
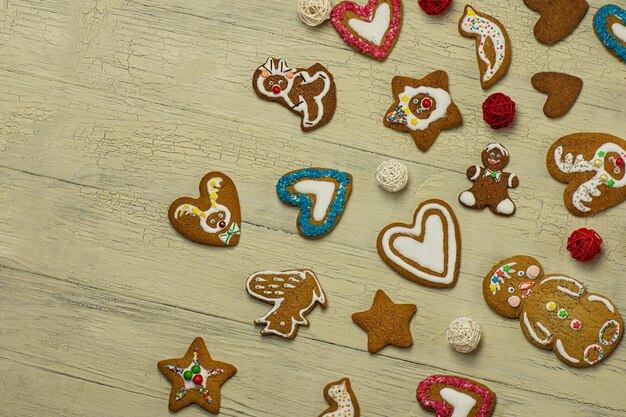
(610, 26)
(320, 193)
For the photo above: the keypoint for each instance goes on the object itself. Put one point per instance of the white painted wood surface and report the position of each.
(110, 109)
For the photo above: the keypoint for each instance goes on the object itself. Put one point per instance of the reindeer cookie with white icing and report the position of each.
(212, 219)
(556, 312)
(308, 92)
(493, 46)
(593, 166)
(342, 400)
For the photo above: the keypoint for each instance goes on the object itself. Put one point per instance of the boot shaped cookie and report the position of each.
(555, 312)
(309, 92)
(491, 185)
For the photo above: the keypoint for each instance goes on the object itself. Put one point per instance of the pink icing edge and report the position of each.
(366, 12)
(441, 407)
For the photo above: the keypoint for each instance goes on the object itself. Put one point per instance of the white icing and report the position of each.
(345, 402)
(298, 319)
(431, 246)
(561, 349)
(619, 31)
(441, 99)
(375, 30)
(505, 206)
(497, 146)
(563, 289)
(467, 198)
(213, 186)
(461, 402)
(532, 332)
(475, 176)
(414, 250)
(486, 29)
(282, 69)
(603, 300)
(510, 181)
(323, 192)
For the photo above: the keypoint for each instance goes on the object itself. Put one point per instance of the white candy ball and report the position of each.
(392, 175)
(463, 334)
(314, 12)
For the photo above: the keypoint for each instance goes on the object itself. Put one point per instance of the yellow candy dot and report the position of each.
(405, 99)
(407, 110)
(551, 306)
(597, 163)
(604, 177)
(414, 122)
(195, 210)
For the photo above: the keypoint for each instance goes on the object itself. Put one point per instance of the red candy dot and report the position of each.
(619, 162)
(197, 379)
(276, 89)
(498, 111)
(426, 103)
(434, 7)
(584, 244)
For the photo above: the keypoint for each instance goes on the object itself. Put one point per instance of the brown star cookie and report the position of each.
(422, 108)
(386, 323)
(562, 90)
(558, 18)
(196, 378)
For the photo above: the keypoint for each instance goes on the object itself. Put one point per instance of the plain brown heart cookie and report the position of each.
(562, 90)
(558, 18)
(212, 219)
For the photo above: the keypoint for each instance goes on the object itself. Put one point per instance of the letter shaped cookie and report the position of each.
(555, 311)
(491, 184)
(309, 92)
(293, 293)
(342, 400)
(493, 47)
(593, 166)
(454, 396)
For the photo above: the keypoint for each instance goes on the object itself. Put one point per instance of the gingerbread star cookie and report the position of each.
(196, 378)
(386, 323)
(422, 108)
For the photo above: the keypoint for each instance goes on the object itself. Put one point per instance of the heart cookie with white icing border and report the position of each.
(321, 194)
(371, 29)
(610, 26)
(428, 251)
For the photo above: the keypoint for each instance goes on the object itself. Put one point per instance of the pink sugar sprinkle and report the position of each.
(442, 409)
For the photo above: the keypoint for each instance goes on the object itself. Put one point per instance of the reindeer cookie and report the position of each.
(293, 293)
(212, 219)
(593, 166)
(493, 46)
(448, 395)
(342, 400)
(555, 312)
(422, 108)
(309, 92)
(491, 185)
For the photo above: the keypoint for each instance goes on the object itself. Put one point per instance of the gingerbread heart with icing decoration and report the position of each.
(212, 219)
(556, 312)
(610, 26)
(448, 395)
(371, 29)
(428, 251)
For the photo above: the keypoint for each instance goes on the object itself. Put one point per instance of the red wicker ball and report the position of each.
(584, 244)
(433, 7)
(498, 110)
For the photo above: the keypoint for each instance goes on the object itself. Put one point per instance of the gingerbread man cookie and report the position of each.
(309, 92)
(555, 312)
(342, 400)
(491, 185)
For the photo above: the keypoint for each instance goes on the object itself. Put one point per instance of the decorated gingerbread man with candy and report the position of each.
(555, 311)
(491, 184)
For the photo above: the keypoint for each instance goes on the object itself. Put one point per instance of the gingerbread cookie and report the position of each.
(493, 46)
(308, 92)
(342, 400)
(422, 108)
(386, 323)
(448, 395)
(491, 185)
(428, 251)
(212, 219)
(562, 90)
(196, 378)
(610, 26)
(371, 29)
(555, 312)
(293, 294)
(558, 18)
(322, 195)
(592, 165)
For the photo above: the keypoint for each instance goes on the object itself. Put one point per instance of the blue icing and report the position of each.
(608, 39)
(306, 204)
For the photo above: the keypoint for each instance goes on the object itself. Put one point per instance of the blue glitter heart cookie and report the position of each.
(610, 26)
(321, 194)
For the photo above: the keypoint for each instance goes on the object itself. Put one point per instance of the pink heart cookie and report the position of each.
(371, 29)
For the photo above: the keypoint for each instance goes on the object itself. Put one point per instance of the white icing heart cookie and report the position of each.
(428, 251)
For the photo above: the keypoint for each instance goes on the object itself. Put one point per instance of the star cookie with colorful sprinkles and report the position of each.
(196, 378)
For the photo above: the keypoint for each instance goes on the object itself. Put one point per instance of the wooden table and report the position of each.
(113, 108)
